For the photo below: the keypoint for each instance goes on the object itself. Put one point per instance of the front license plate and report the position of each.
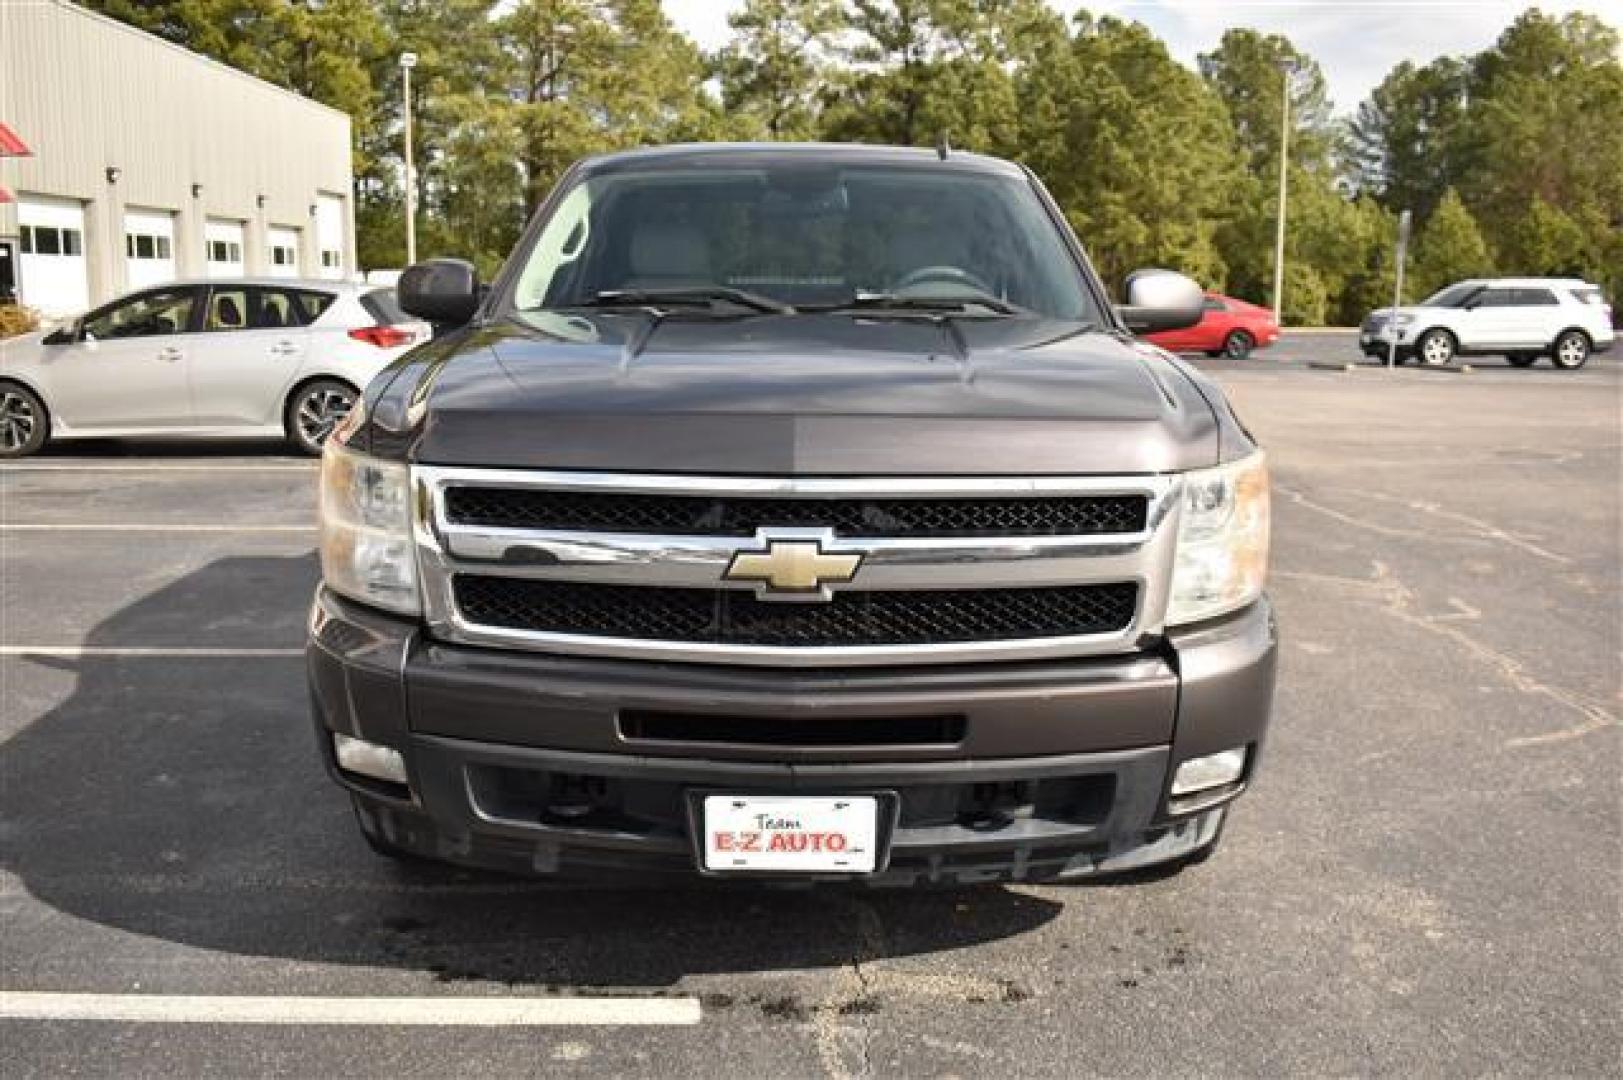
(797, 833)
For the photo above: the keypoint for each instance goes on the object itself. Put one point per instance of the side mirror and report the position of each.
(1160, 300)
(440, 291)
(65, 334)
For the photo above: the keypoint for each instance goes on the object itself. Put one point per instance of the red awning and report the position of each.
(11, 146)
(6, 196)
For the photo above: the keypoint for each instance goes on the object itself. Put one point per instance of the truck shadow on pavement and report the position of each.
(182, 799)
(182, 450)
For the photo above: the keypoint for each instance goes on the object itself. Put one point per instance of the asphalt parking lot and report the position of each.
(1426, 879)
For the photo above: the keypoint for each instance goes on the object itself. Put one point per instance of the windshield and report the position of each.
(1453, 296)
(805, 234)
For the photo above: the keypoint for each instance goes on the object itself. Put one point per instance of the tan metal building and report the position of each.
(150, 162)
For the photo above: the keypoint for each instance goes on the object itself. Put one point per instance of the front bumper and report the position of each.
(527, 763)
(1378, 343)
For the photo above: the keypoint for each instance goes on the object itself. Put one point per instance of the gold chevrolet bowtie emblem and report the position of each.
(793, 566)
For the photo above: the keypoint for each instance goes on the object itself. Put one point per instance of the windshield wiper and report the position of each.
(690, 296)
(951, 305)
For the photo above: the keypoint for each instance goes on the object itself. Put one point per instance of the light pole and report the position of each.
(408, 61)
(1405, 219)
(1287, 68)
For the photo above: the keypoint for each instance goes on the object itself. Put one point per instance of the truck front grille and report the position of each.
(698, 515)
(794, 572)
(730, 617)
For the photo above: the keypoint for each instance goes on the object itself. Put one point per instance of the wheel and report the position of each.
(1238, 345)
(1435, 347)
(1571, 350)
(1522, 360)
(314, 409)
(24, 424)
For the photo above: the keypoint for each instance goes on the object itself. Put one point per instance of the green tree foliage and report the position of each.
(586, 76)
(1405, 140)
(1528, 132)
(920, 69)
(1140, 155)
(1544, 241)
(1510, 159)
(1450, 248)
(1329, 241)
(777, 61)
(457, 91)
(1367, 283)
(1543, 147)
(1250, 70)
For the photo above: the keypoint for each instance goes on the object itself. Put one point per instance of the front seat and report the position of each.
(665, 255)
(227, 315)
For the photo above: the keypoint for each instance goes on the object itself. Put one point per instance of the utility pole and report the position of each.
(408, 60)
(1404, 222)
(1287, 68)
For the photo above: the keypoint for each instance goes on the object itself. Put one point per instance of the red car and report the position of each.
(1229, 327)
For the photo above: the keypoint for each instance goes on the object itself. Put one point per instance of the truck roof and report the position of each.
(745, 155)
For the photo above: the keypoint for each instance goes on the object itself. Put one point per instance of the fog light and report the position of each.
(369, 759)
(1213, 770)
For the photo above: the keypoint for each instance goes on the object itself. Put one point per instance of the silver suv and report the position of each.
(1521, 319)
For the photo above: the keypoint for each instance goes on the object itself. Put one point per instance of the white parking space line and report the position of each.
(11, 526)
(418, 1012)
(77, 652)
(87, 466)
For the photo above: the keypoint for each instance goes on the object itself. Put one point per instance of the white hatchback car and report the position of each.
(238, 357)
(1522, 319)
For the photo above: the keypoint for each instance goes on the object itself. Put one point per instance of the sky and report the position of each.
(1356, 42)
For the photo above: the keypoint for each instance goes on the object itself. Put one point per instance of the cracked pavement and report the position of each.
(1425, 880)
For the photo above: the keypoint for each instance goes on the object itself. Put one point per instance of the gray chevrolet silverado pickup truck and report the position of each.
(794, 512)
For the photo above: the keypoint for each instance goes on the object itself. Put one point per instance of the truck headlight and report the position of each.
(367, 552)
(1222, 559)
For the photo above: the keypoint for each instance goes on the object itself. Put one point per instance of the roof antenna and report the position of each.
(942, 146)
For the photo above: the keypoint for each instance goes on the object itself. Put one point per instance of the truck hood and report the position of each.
(797, 395)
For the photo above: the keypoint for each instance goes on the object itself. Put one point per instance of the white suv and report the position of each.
(1521, 319)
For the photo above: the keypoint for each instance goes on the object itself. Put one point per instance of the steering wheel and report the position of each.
(946, 274)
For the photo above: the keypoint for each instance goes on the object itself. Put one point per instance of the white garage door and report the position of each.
(330, 236)
(149, 247)
(282, 251)
(222, 248)
(55, 276)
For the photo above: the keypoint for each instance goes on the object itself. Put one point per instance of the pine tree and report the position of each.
(778, 62)
(1543, 242)
(1450, 248)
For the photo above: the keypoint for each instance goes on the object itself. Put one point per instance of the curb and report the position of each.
(1432, 369)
